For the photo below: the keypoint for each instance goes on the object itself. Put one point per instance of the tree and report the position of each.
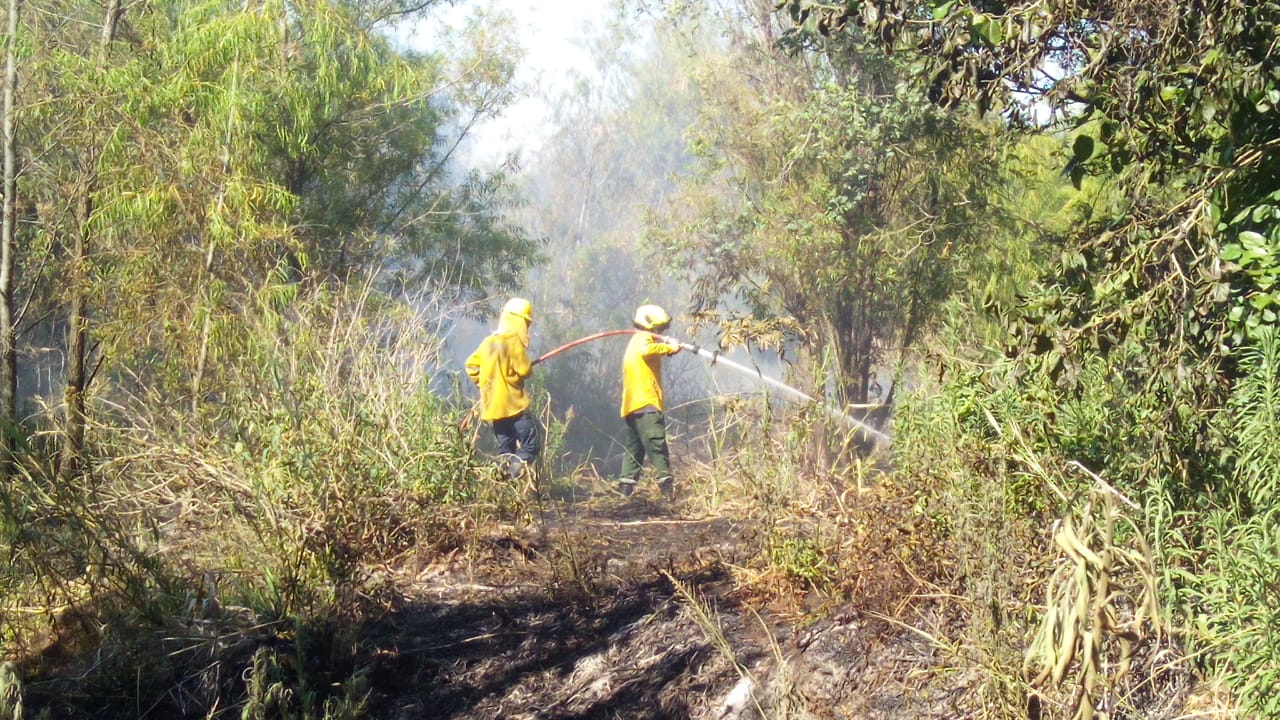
(8, 339)
(224, 153)
(1146, 350)
(1162, 99)
(830, 200)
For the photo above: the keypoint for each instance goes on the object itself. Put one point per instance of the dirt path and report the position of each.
(628, 610)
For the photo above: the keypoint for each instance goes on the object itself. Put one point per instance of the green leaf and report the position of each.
(993, 32)
(1231, 251)
(1082, 148)
(1253, 240)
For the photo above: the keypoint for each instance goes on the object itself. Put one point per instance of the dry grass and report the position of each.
(196, 535)
(832, 527)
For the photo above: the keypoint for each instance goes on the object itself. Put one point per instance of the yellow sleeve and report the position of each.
(473, 364)
(659, 348)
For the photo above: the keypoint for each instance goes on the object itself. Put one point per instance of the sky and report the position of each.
(552, 33)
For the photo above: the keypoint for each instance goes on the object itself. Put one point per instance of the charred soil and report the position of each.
(626, 609)
(608, 608)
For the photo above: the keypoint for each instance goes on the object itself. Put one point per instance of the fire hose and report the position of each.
(714, 358)
(569, 346)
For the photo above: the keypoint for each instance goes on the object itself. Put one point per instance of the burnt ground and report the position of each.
(604, 608)
(626, 609)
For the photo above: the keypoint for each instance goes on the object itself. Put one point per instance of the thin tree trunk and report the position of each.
(71, 457)
(206, 329)
(72, 453)
(8, 335)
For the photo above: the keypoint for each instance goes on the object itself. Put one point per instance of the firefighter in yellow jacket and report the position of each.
(642, 405)
(499, 367)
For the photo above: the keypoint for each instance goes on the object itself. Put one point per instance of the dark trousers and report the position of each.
(518, 436)
(646, 435)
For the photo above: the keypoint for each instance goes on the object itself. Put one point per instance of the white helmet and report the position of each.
(520, 308)
(652, 318)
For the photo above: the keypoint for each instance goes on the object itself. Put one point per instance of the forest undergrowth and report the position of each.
(237, 561)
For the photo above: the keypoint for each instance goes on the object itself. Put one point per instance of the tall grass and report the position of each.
(828, 527)
(1098, 566)
(1229, 572)
(319, 452)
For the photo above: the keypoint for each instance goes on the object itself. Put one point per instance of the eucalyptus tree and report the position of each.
(829, 201)
(221, 153)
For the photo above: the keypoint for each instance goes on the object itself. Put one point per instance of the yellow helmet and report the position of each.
(652, 318)
(520, 308)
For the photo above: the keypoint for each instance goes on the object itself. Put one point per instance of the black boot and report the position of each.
(667, 486)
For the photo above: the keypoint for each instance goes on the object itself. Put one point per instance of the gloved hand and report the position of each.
(678, 344)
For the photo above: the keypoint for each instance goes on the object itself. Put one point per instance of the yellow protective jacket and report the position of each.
(499, 367)
(642, 372)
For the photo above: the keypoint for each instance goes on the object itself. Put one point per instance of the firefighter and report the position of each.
(499, 367)
(642, 404)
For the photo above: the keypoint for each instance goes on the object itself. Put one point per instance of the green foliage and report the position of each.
(278, 687)
(1229, 569)
(1143, 329)
(1178, 106)
(1255, 424)
(800, 559)
(217, 149)
(856, 229)
(1229, 603)
(1256, 299)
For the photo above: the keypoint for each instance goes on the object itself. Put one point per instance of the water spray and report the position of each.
(849, 422)
(716, 358)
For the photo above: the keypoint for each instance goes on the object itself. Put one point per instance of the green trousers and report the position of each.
(646, 435)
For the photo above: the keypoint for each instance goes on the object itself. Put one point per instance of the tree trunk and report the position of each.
(852, 337)
(71, 457)
(72, 453)
(8, 335)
